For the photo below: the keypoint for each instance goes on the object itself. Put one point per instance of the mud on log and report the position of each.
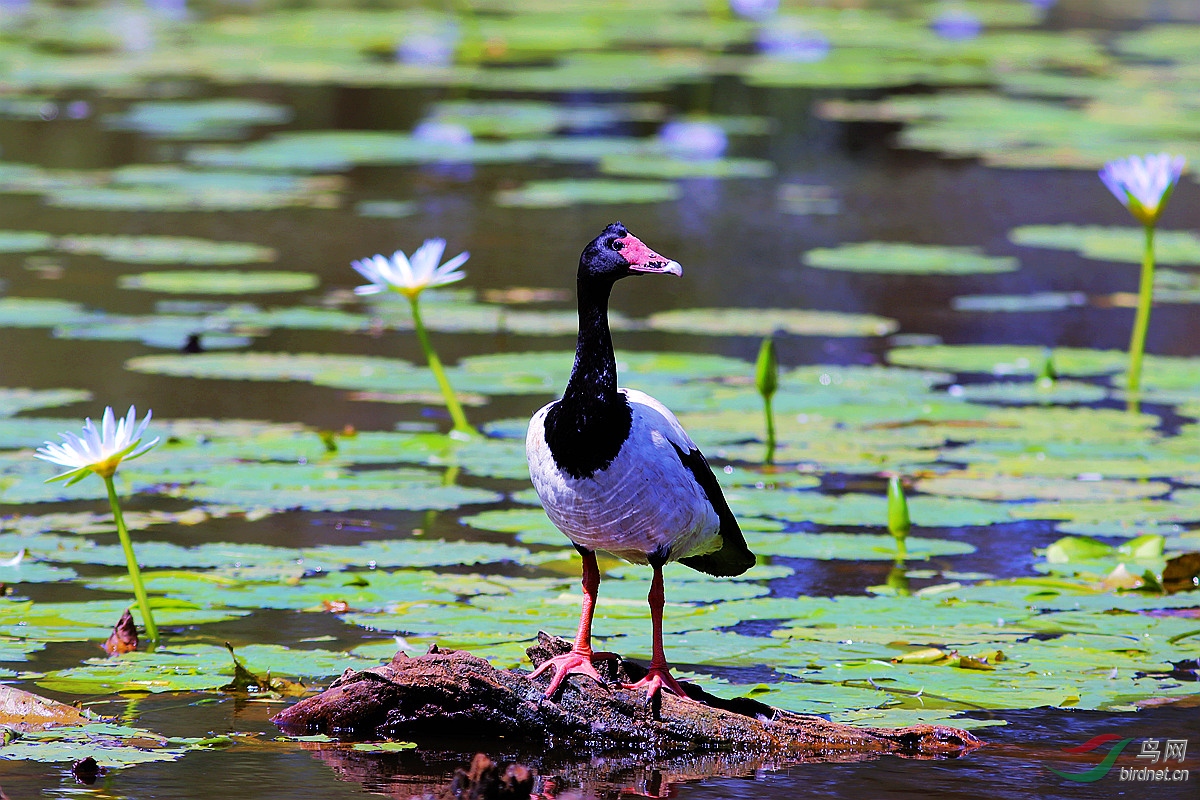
(451, 693)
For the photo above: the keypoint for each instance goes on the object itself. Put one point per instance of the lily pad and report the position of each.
(1039, 392)
(659, 166)
(181, 282)
(14, 401)
(1012, 488)
(1038, 301)
(1112, 243)
(165, 250)
(569, 192)
(31, 312)
(767, 321)
(25, 241)
(908, 259)
(198, 119)
(850, 546)
(1009, 359)
(194, 667)
(112, 746)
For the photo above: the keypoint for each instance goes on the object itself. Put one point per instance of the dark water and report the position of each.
(738, 250)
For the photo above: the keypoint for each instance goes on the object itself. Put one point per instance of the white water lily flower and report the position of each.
(1143, 184)
(412, 276)
(99, 451)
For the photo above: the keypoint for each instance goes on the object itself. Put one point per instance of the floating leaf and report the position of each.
(29, 312)
(198, 119)
(25, 241)
(1038, 301)
(850, 546)
(165, 250)
(1008, 359)
(194, 667)
(1012, 488)
(112, 746)
(14, 401)
(1112, 243)
(767, 321)
(1039, 392)
(181, 282)
(659, 166)
(569, 192)
(909, 259)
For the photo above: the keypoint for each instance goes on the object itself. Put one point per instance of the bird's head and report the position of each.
(617, 253)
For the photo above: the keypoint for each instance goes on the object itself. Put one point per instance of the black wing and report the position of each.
(734, 557)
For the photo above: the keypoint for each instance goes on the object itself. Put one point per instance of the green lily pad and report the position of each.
(329, 151)
(291, 586)
(32, 572)
(659, 166)
(1038, 301)
(93, 620)
(1174, 286)
(166, 331)
(31, 312)
(25, 241)
(220, 282)
(1009, 359)
(168, 188)
(864, 509)
(570, 192)
(530, 118)
(850, 546)
(165, 250)
(1112, 243)
(1012, 488)
(194, 667)
(1026, 133)
(767, 321)
(386, 209)
(908, 259)
(1039, 392)
(198, 119)
(14, 401)
(112, 746)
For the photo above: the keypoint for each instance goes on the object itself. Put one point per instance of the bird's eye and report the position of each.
(617, 244)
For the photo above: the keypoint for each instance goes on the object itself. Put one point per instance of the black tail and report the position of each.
(734, 557)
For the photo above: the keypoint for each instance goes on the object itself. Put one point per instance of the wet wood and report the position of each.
(453, 694)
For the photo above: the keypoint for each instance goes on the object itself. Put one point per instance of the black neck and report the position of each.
(594, 376)
(586, 429)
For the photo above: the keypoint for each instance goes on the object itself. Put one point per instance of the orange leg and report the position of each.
(581, 657)
(659, 676)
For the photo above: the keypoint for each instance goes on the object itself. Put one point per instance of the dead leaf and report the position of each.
(24, 711)
(1182, 573)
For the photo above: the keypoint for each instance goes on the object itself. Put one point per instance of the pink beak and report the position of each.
(642, 259)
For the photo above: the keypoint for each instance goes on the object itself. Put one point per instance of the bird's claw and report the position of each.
(657, 679)
(576, 662)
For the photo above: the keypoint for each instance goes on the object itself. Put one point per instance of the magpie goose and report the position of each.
(616, 471)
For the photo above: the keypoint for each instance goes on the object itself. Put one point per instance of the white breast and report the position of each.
(645, 500)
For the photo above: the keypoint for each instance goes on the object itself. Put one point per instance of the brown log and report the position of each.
(453, 694)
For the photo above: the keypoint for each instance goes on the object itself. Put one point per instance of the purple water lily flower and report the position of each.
(1143, 183)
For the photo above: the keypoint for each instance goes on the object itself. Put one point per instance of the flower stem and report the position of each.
(769, 458)
(439, 373)
(135, 575)
(1137, 343)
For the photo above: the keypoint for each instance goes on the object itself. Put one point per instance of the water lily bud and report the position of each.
(898, 521)
(766, 370)
(1048, 374)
